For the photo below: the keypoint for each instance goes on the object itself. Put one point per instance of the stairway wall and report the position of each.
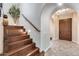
(1, 38)
(32, 11)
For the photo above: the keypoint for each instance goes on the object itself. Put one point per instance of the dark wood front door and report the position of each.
(65, 29)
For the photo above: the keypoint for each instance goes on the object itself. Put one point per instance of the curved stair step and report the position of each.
(20, 51)
(17, 38)
(40, 54)
(16, 33)
(19, 44)
(34, 52)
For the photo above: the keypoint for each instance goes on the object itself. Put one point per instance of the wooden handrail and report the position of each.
(31, 23)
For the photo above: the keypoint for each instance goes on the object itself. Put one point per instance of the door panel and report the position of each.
(65, 29)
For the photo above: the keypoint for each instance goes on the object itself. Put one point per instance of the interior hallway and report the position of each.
(63, 48)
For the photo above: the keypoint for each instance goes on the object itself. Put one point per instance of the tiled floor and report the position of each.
(63, 48)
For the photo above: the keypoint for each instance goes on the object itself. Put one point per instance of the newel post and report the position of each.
(5, 40)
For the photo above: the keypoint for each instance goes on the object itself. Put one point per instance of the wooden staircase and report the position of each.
(17, 42)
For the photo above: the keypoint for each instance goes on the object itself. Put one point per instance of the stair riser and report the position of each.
(18, 45)
(14, 39)
(14, 27)
(24, 51)
(15, 32)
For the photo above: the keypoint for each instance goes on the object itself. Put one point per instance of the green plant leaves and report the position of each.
(14, 11)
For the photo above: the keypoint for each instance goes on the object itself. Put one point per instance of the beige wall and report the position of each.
(74, 28)
(76, 33)
(1, 37)
(52, 29)
(32, 12)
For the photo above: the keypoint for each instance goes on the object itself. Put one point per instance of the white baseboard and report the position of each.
(45, 50)
(48, 48)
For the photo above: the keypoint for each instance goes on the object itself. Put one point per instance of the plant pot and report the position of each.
(5, 22)
(16, 20)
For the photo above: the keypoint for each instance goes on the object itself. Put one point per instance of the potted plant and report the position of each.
(15, 13)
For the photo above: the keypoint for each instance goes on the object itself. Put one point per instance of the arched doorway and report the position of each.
(64, 23)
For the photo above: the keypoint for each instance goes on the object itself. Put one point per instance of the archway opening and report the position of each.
(63, 20)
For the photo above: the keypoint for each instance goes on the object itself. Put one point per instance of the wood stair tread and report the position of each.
(16, 50)
(17, 36)
(33, 51)
(19, 41)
